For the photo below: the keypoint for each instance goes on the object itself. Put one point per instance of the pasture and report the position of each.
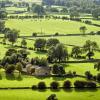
(45, 26)
(36, 95)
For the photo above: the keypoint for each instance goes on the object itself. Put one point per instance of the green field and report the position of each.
(28, 26)
(61, 95)
(28, 81)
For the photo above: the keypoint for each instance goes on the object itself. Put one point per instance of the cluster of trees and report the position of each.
(58, 69)
(39, 61)
(41, 44)
(13, 56)
(88, 48)
(58, 52)
(90, 76)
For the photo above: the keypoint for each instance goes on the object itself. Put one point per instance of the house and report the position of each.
(37, 70)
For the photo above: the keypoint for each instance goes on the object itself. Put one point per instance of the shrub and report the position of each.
(34, 87)
(54, 85)
(52, 97)
(88, 75)
(34, 34)
(98, 77)
(91, 84)
(79, 84)
(56, 34)
(10, 69)
(98, 32)
(67, 84)
(88, 22)
(41, 85)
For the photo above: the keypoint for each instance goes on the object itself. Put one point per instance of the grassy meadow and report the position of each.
(36, 95)
(28, 26)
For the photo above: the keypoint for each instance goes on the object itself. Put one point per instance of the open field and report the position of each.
(28, 81)
(67, 40)
(28, 26)
(36, 95)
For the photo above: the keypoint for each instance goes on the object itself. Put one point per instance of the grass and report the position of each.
(28, 81)
(28, 26)
(36, 95)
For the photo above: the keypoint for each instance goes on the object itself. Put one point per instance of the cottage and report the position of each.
(37, 70)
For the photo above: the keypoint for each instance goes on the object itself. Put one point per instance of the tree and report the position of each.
(67, 85)
(52, 42)
(79, 84)
(54, 85)
(89, 47)
(40, 44)
(10, 69)
(74, 14)
(88, 75)
(4, 41)
(52, 97)
(24, 53)
(91, 85)
(97, 66)
(98, 77)
(58, 53)
(96, 13)
(12, 36)
(19, 67)
(38, 9)
(23, 43)
(83, 29)
(43, 62)
(76, 51)
(2, 26)
(41, 85)
(11, 51)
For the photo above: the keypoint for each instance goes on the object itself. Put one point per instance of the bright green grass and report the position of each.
(28, 26)
(61, 95)
(28, 81)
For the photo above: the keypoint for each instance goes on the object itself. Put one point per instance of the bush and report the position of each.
(54, 85)
(88, 22)
(88, 75)
(34, 87)
(56, 34)
(34, 34)
(98, 32)
(79, 84)
(98, 77)
(41, 85)
(10, 69)
(91, 85)
(67, 84)
(52, 97)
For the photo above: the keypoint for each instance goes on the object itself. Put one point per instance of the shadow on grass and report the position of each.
(19, 78)
(42, 90)
(68, 90)
(55, 90)
(10, 77)
(86, 89)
